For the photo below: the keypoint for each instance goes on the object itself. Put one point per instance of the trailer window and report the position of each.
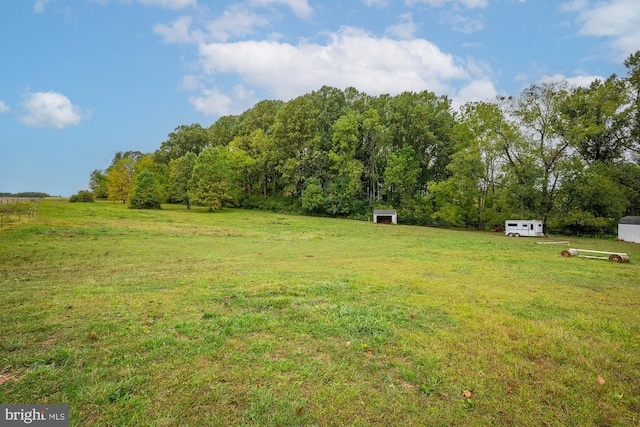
(512, 225)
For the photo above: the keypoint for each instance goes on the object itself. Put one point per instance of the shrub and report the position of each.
(82, 196)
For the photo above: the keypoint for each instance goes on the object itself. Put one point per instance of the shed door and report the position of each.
(384, 219)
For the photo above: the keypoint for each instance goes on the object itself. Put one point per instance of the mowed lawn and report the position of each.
(233, 318)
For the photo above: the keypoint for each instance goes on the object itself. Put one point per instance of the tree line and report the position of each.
(33, 194)
(569, 156)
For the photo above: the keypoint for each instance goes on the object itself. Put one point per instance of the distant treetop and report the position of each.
(25, 194)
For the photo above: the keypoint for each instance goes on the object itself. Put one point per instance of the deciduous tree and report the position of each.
(217, 177)
(180, 172)
(120, 176)
(146, 193)
(99, 184)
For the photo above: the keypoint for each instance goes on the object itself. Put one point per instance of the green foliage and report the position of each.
(33, 194)
(120, 178)
(593, 121)
(180, 173)
(146, 193)
(99, 184)
(583, 222)
(217, 177)
(82, 196)
(184, 139)
(550, 150)
(632, 63)
(401, 175)
(312, 196)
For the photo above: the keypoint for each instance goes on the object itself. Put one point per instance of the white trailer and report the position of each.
(523, 227)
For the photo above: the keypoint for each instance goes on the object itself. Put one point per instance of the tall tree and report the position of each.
(120, 177)
(475, 168)
(592, 201)
(373, 151)
(146, 193)
(345, 185)
(595, 122)
(401, 176)
(223, 130)
(259, 117)
(217, 180)
(537, 111)
(99, 184)
(633, 81)
(184, 139)
(423, 121)
(180, 172)
(296, 139)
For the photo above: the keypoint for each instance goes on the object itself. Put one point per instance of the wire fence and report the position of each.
(13, 200)
(14, 210)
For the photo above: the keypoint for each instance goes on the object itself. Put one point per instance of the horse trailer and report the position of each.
(523, 227)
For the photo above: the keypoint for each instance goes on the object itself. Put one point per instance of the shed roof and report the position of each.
(384, 212)
(630, 220)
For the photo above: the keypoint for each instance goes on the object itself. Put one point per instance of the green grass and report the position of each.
(251, 318)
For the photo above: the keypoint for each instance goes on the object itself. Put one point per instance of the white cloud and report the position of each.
(574, 6)
(4, 107)
(618, 20)
(461, 23)
(579, 80)
(191, 82)
(377, 3)
(166, 4)
(178, 32)
(213, 102)
(405, 28)
(300, 8)
(169, 4)
(477, 90)
(50, 109)
(39, 5)
(470, 4)
(235, 21)
(352, 57)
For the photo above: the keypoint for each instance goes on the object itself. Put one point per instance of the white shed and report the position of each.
(523, 227)
(385, 217)
(629, 229)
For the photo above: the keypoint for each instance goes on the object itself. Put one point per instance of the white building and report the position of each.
(523, 227)
(629, 229)
(385, 217)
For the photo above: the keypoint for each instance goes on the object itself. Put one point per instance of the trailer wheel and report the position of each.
(516, 235)
(510, 234)
(615, 258)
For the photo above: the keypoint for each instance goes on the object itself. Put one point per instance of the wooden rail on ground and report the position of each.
(585, 253)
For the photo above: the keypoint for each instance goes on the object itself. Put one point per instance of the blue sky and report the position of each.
(82, 79)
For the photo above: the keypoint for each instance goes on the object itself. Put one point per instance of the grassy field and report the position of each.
(248, 318)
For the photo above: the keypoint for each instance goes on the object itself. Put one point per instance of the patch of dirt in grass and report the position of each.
(7, 376)
(406, 385)
(48, 342)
